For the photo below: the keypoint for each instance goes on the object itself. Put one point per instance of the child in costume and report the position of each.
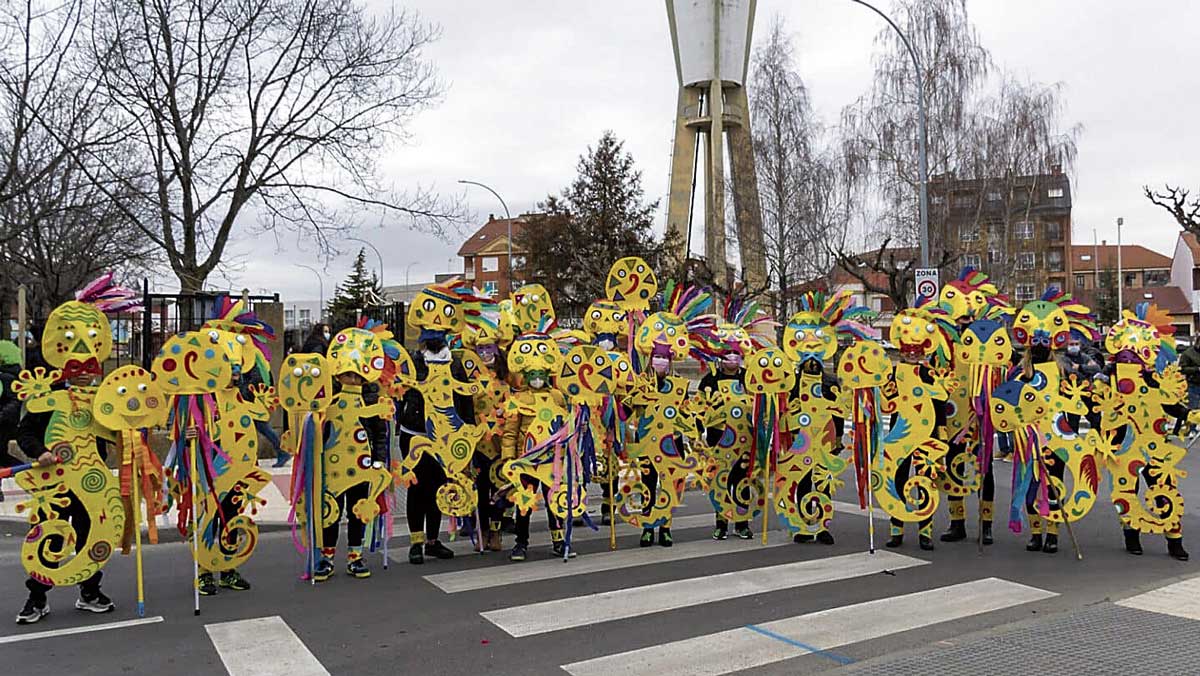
(355, 455)
(534, 431)
(66, 445)
(744, 329)
(605, 324)
(437, 430)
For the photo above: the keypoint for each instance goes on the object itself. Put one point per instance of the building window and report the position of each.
(972, 261)
(1025, 293)
(289, 317)
(491, 288)
(1130, 279)
(1156, 277)
(1026, 260)
(1023, 230)
(305, 316)
(994, 197)
(491, 264)
(937, 199)
(518, 261)
(1054, 260)
(995, 257)
(970, 233)
(1054, 193)
(963, 201)
(1054, 231)
(1080, 281)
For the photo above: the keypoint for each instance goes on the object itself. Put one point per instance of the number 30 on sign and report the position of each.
(927, 282)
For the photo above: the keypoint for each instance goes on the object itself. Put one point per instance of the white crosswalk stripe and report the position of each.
(263, 646)
(757, 645)
(1181, 599)
(539, 618)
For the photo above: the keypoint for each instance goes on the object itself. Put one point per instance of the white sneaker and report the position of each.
(100, 604)
(31, 613)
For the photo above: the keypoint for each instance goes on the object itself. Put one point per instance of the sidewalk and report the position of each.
(1151, 633)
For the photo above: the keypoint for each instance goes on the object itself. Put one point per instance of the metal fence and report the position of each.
(165, 314)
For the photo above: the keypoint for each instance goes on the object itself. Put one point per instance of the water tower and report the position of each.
(712, 41)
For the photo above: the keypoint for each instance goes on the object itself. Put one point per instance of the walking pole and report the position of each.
(570, 521)
(137, 522)
(192, 444)
(1054, 496)
(612, 487)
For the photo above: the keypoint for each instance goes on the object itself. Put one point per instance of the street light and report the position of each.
(924, 168)
(507, 217)
(408, 268)
(321, 311)
(1120, 275)
(377, 255)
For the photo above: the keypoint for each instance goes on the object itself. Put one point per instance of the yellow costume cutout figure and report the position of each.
(905, 477)
(531, 307)
(354, 455)
(1145, 387)
(305, 392)
(808, 471)
(75, 508)
(864, 371)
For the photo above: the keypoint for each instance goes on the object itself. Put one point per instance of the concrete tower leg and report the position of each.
(683, 171)
(746, 206)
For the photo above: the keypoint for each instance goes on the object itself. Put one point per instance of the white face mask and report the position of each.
(537, 383)
(607, 344)
(440, 357)
(326, 334)
(660, 364)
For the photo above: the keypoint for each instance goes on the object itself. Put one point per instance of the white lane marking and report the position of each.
(16, 638)
(263, 646)
(757, 645)
(540, 618)
(1181, 599)
(499, 576)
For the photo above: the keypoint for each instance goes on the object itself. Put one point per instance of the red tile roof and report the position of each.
(1133, 257)
(1170, 299)
(494, 229)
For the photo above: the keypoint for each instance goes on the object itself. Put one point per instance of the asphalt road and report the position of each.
(728, 605)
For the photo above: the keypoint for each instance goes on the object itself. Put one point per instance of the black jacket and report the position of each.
(1189, 364)
(315, 345)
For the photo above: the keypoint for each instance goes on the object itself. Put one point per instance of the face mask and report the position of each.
(606, 344)
(732, 360)
(660, 364)
(1072, 349)
(536, 379)
(488, 353)
(1040, 352)
(326, 334)
(537, 383)
(439, 357)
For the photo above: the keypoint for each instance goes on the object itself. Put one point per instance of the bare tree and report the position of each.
(803, 217)
(1175, 201)
(274, 108)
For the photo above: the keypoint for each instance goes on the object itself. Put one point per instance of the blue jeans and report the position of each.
(265, 431)
(1193, 400)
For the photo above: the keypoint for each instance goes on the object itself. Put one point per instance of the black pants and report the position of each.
(354, 527)
(522, 520)
(82, 523)
(423, 513)
(489, 512)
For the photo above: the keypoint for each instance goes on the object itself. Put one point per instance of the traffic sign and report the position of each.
(927, 283)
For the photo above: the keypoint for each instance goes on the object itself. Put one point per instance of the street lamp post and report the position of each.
(321, 282)
(921, 131)
(1120, 275)
(507, 217)
(377, 255)
(407, 268)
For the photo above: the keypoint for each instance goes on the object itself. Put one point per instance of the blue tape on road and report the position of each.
(840, 659)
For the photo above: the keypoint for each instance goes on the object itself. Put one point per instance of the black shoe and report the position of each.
(416, 555)
(1176, 550)
(987, 533)
(558, 548)
(605, 519)
(517, 553)
(32, 612)
(207, 585)
(1051, 544)
(231, 579)
(438, 550)
(664, 537)
(825, 537)
(324, 570)
(1133, 542)
(926, 543)
(721, 532)
(647, 537)
(957, 532)
(95, 602)
(894, 541)
(358, 568)
(1035, 543)
(743, 532)
(802, 538)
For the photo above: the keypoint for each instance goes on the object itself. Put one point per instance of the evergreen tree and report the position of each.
(361, 289)
(1106, 298)
(599, 218)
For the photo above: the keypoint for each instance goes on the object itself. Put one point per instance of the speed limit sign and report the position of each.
(927, 282)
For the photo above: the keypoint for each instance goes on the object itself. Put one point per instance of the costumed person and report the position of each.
(605, 324)
(240, 410)
(486, 337)
(355, 454)
(535, 429)
(76, 512)
(965, 299)
(662, 412)
(437, 425)
(913, 451)
(1144, 377)
(735, 494)
(1041, 462)
(810, 467)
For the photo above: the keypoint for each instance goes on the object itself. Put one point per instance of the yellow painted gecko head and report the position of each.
(77, 339)
(305, 383)
(769, 371)
(130, 399)
(631, 284)
(196, 362)
(604, 318)
(358, 351)
(531, 303)
(587, 369)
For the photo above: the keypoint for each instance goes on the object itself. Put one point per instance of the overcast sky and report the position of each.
(531, 83)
